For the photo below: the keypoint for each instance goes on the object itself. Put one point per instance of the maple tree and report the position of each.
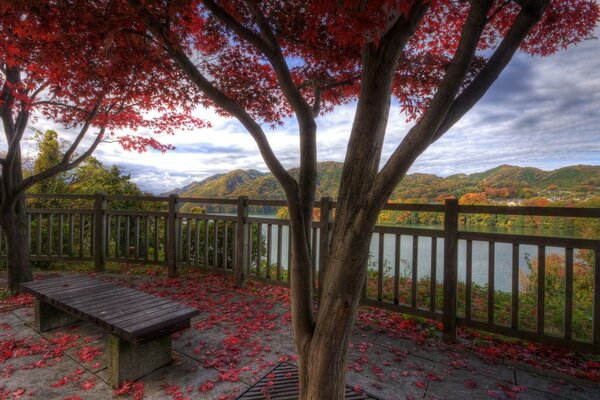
(262, 62)
(57, 64)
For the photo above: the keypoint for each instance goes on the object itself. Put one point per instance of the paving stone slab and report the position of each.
(552, 385)
(189, 377)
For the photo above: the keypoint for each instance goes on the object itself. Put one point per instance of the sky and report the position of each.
(541, 112)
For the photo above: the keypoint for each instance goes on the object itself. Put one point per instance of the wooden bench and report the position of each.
(139, 325)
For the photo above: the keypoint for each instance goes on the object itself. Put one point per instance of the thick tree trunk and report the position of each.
(323, 362)
(14, 225)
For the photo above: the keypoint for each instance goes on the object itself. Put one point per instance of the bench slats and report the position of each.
(135, 316)
(144, 311)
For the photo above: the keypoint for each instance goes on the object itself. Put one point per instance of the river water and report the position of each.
(502, 253)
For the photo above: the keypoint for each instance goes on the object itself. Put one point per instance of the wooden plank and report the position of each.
(531, 240)
(400, 230)
(137, 237)
(415, 266)
(157, 313)
(541, 294)
(568, 294)
(96, 298)
(156, 244)
(269, 247)
(146, 238)
(216, 243)
(225, 244)
(433, 281)
(61, 221)
(71, 233)
(259, 251)
(49, 283)
(49, 236)
(515, 286)
(197, 242)
(279, 251)
(127, 235)
(397, 261)
(188, 249)
(159, 322)
(596, 315)
(81, 232)
(250, 246)
(109, 315)
(38, 250)
(65, 289)
(122, 298)
(380, 270)
(491, 279)
(290, 256)
(206, 240)
(313, 254)
(414, 207)
(580, 212)
(118, 237)
(469, 280)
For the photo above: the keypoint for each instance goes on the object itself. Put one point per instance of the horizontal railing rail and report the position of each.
(544, 288)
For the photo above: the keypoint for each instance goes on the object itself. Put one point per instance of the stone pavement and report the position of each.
(388, 367)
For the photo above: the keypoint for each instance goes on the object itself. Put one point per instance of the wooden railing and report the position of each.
(414, 270)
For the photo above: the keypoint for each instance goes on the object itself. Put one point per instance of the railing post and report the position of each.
(172, 235)
(450, 268)
(241, 243)
(325, 220)
(100, 238)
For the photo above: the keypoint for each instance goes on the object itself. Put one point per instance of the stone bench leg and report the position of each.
(47, 317)
(128, 361)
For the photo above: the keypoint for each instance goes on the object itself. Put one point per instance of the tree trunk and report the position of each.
(14, 224)
(323, 362)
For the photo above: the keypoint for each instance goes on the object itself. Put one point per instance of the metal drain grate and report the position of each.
(282, 384)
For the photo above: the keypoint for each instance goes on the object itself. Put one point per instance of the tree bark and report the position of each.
(14, 225)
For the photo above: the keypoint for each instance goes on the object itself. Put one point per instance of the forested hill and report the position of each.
(503, 183)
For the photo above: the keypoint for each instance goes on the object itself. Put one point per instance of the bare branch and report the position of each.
(39, 90)
(62, 166)
(82, 132)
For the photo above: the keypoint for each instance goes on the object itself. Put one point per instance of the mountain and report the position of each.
(220, 185)
(501, 183)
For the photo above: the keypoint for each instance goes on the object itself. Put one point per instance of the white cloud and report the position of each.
(541, 112)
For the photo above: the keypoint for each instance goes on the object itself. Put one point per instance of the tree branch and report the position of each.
(62, 166)
(239, 29)
(525, 20)
(419, 137)
(221, 100)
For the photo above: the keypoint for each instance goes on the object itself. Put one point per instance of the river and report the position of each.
(503, 254)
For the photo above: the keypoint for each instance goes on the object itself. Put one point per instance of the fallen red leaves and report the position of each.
(234, 336)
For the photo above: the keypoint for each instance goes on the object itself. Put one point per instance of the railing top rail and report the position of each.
(59, 210)
(550, 241)
(575, 212)
(580, 212)
(414, 207)
(61, 196)
(205, 200)
(136, 198)
(269, 203)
